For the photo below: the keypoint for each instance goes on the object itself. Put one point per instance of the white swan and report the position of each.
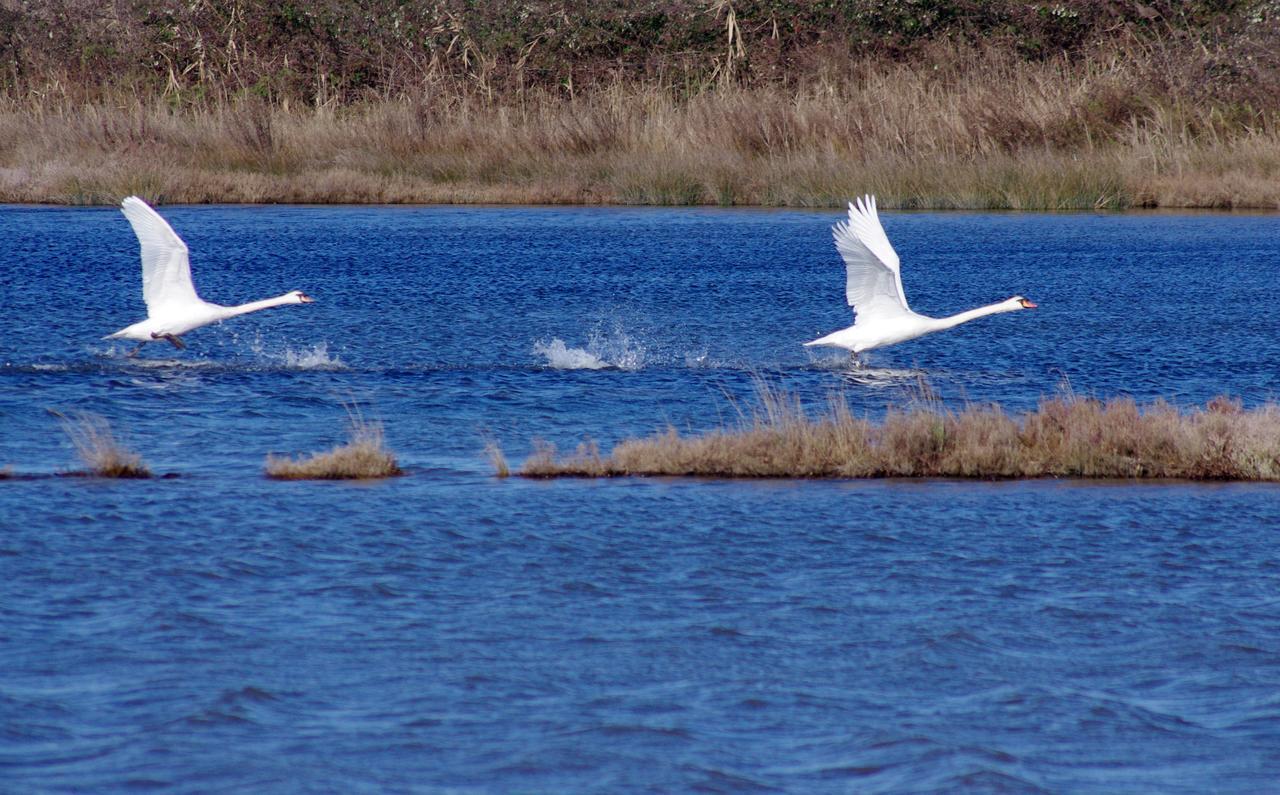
(874, 289)
(173, 308)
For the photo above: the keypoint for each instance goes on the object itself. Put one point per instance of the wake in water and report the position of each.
(264, 357)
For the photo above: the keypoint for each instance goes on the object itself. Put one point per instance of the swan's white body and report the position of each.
(173, 308)
(873, 287)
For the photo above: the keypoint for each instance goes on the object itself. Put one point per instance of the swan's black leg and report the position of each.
(137, 349)
(177, 343)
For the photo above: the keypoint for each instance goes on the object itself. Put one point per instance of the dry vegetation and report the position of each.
(364, 456)
(1064, 437)
(928, 103)
(497, 459)
(97, 447)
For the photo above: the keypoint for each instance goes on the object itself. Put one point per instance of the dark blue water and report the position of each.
(449, 631)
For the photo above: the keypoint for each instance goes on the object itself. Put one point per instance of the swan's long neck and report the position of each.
(943, 323)
(254, 306)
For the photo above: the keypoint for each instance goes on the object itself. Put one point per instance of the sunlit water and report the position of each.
(449, 631)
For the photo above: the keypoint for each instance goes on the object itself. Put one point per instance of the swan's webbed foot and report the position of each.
(177, 343)
(136, 350)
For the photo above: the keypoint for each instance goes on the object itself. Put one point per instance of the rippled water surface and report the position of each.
(450, 631)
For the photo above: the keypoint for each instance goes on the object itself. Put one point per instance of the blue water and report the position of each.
(450, 631)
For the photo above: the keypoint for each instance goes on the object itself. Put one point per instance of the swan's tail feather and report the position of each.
(829, 339)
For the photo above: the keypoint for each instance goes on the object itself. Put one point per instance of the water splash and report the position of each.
(561, 357)
(317, 357)
(614, 351)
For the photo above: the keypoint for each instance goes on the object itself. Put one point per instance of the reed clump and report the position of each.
(102, 454)
(364, 456)
(1066, 437)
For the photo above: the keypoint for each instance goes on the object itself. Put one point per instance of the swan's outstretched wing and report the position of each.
(166, 270)
(873, 285)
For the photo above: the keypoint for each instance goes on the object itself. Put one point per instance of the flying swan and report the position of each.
(873, 288)
(173, 308)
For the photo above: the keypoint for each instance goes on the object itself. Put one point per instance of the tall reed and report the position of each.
(1063, 437)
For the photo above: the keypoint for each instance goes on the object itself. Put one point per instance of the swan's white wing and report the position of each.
(166, 270)
(873, 284)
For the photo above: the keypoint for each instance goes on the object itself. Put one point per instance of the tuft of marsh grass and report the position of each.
(364, 456)
(1063, 437)
(497, 459)
(97, 447)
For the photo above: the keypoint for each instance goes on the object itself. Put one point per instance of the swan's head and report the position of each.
(1018, 302)
(301, 297)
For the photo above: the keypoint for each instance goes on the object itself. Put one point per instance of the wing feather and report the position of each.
(873, 284)
(166, 267)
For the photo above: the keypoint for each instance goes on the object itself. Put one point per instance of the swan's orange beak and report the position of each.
(1027, 303)
(306, 299)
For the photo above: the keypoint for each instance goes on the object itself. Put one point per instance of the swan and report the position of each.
(173, 308)
(873, 288)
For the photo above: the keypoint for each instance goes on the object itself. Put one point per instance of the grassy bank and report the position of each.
(899, 137)
(1003, 136)
(928, 103)
(1063, 437)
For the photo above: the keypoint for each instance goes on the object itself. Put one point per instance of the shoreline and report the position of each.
(71, 186)
(1242, 210)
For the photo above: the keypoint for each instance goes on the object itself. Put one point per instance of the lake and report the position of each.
(451, 631)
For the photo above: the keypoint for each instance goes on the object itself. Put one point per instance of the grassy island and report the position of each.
(1064, 437)
(928, 103)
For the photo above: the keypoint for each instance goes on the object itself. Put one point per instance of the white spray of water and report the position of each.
(317, 357)
(561, 357)
(617, 350)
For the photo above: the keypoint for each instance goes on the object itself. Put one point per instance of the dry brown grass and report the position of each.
(968, 129)
(364, 456)
(97, 447)
(1063, 437)
(497, 459)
